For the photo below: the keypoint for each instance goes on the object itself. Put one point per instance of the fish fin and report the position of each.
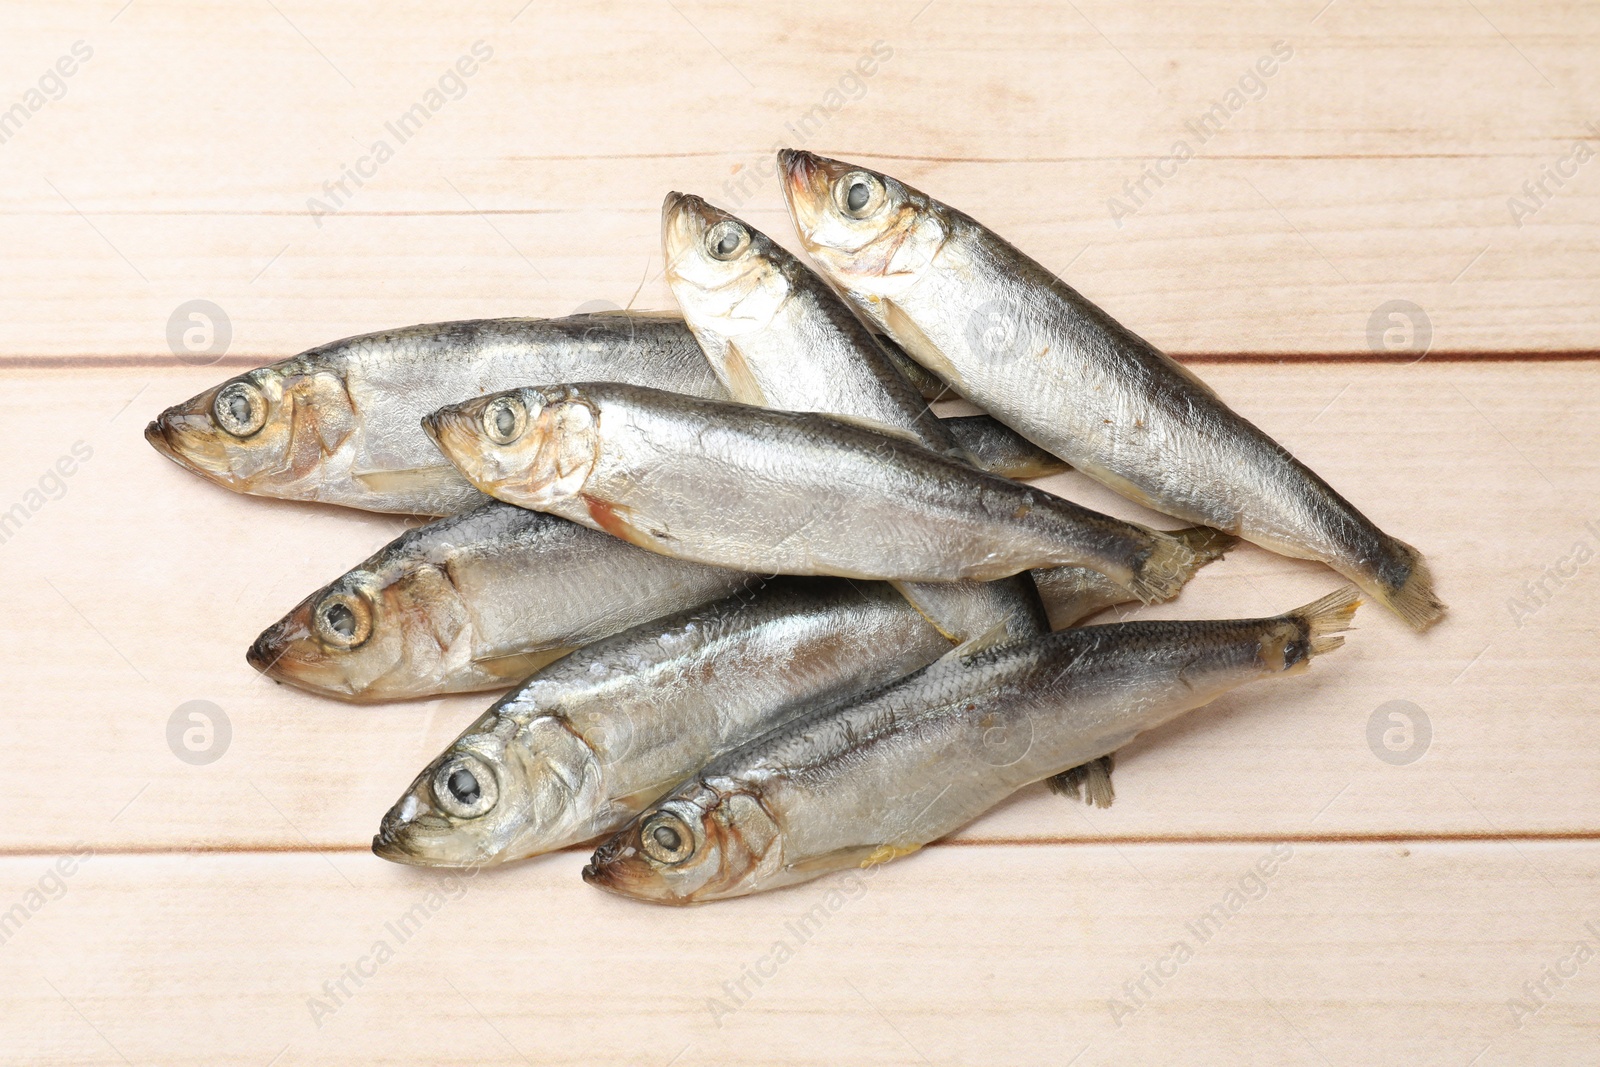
(1326, 620)
(616, 520)
(885, 853)
(739, 378)
(1165, 571)
(878, 427)
(1208, 545)
(633, 313)
(916, 344)
(995, 636)
(410, 479)
(998, 449)
(1414, 601)
(1089, 782)
(922, 380)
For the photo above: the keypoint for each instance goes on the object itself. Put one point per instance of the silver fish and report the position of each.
(586, 743)
(777, 337)
(879, 778)
(475, 601)
(993, 446)
(781, 492)
(1032, 351)
(1072, 594)
(339, 423)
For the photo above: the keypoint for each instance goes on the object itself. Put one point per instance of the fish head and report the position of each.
(701, 843)
(372, 636)
(726, 275)
(530, 447)
(505, 790)
(266, 432)
(872, 234)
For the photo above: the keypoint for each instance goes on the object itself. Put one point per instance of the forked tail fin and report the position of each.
(1413, 599)
(1327, 619)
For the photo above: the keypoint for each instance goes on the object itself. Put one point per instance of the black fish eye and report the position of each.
(340, 619)
(859, 195)
(504, 419)
(464, 787)
(240, 409)
(343, 620)
(666, 838)
(726, 240)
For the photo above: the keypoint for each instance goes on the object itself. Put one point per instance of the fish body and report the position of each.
(778, 337)
(340, 423)
(863, 783)
(474, 601)
(589, 741)
(1072, 594)
(781, 492)
(1026, 347)
(994, 446)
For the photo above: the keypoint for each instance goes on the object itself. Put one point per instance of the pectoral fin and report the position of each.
(410, 479)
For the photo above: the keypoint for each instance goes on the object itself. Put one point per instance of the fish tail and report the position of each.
(1327, 619)
(1163, 573)
(1208, 545)
(1089, 782)
(1411, 596)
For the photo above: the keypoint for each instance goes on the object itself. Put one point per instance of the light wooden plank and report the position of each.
(141, 587)
(1341, 954)
(1378, 164)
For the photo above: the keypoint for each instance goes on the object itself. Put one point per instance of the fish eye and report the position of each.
(727, 239)
(859, 194)
(504, 419)
(240, 409)
(465, 788)
(666, 838)
(342, 620)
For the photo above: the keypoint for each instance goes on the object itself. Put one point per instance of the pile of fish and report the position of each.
(763, 614)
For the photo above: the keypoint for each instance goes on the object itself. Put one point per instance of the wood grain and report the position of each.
(1341, 954)
(1376, 165)
(1428, 912)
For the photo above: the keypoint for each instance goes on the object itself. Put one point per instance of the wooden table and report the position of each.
(1426, 805)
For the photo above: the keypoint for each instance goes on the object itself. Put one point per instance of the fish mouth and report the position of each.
(288, 651)
(454, 431)
(806, 181)
(685, 218)
(186, 435)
